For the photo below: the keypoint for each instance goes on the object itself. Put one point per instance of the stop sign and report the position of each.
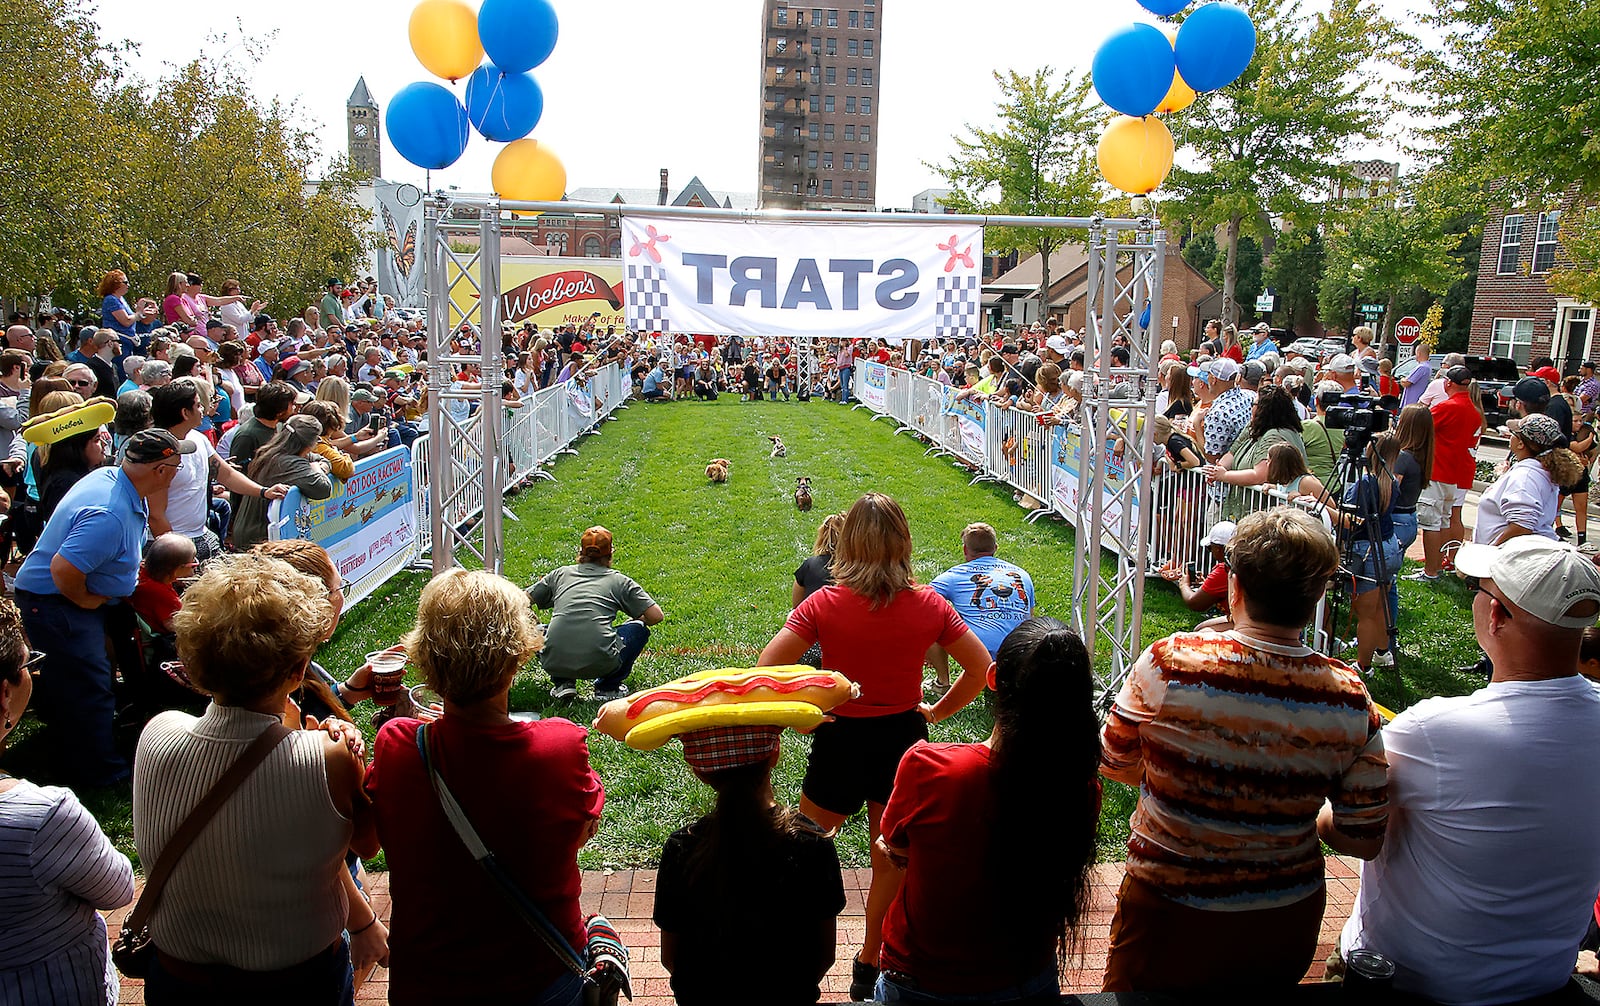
(1407, 331)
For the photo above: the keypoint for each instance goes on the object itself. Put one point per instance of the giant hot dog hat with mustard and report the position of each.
(751, 702)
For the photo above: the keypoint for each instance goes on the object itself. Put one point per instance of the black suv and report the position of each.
(1493, 373)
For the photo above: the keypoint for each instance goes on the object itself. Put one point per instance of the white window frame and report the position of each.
(1549, 223)
(1504, 334)
(1511, 224)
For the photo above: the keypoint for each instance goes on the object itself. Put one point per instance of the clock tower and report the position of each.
(361, 117)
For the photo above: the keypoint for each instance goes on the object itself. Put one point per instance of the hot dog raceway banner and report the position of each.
(368, 525)
(816, 278)
(546, 291)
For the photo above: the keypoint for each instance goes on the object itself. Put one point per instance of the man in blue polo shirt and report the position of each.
(991, 595)
(88, 557)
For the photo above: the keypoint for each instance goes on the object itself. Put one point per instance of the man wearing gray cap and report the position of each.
(1484, 885)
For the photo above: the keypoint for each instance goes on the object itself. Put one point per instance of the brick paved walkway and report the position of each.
(626, 898)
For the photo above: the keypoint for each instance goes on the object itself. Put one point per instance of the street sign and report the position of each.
(1265, 302)
(1406, 332)
(1371, 308)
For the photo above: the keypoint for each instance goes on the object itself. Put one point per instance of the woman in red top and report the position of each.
(875, 625)
(526, 787)
(960, 813)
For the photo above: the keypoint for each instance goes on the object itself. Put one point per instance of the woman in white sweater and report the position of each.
(255, 910)
(56, 868)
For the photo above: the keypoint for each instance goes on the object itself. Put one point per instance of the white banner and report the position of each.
(873, 386)
(839, 280)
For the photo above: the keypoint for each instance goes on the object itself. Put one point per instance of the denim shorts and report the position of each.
(1364, 564)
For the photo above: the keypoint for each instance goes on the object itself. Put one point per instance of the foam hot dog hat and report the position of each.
(764, 699)
(54, 427)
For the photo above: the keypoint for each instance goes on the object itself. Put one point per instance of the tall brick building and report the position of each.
(1514, 314)
(819, 104)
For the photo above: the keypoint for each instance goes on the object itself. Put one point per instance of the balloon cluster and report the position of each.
(1143, 71)
(428, 125)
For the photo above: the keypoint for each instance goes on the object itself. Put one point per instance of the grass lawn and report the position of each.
(720, 561)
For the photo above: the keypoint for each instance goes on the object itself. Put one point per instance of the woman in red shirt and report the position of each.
(960, 813)
(876, 626)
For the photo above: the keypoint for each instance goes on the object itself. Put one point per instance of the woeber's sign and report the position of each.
(547, 291)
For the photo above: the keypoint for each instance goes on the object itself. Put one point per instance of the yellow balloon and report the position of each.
(1179, 96)
(444, 35)
(527, 169)
(1135, 154)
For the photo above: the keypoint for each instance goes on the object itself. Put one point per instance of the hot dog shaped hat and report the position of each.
(793, 696)
(54, 427)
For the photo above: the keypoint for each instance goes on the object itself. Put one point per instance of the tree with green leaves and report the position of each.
(1295, 272)
(1037, 161)
(1268, 145)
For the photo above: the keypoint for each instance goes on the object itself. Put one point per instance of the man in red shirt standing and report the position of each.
(1456, 427)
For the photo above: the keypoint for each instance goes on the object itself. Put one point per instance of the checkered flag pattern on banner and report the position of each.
(956, 315)
(647, 300)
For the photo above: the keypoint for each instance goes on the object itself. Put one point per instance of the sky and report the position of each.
(638, 85)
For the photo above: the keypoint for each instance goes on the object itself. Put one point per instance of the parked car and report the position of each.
(1333, 347)
(1493, 373)
(1307, 347)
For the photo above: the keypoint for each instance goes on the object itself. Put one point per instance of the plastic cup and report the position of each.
(388, 669)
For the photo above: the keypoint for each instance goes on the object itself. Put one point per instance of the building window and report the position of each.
(1512, 337)
(872, 19)
(816, 103)
(777, 155)
(555, 240)
(797, 132)
(779, 71)
(849, 188)
(827, 160)
(854, 19)
(615, 249)
(783, 15)
(866, 134)
(866, 106)
(830, 75)
(852, 47)
(827, 186)
(827, 103)
(850, 75)
(816, 44)
(833, 47)
(1544, 242)
(827, 131)
(1510, 243)
(866, 76)
(816, 19)
(797, 161)
(591, 247)
(866, 48)
(850, 105)
(811, 158)
(849, 162)
(849, 132)
(833, 19)
(865, 161)
(811, 130)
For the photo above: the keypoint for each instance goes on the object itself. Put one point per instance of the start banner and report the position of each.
(842, 280)
(368, 525)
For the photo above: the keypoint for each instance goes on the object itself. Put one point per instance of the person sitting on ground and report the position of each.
(656, 387)
(526, 787)
(1481, 892)
(752, 380)
(285, 460)
(170, 558)
(247, 631)
(958, 812)
(581, 641)
(991, 595)
(721, 877)
(1236, 740)
(56, 867)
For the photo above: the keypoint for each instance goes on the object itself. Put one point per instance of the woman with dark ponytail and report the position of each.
(960, 928)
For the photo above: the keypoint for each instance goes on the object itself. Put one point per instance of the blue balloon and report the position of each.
(1133, 69)
(1215, 45)
(427, 125)
(503, 106)
(1166, 8)
(518, 35)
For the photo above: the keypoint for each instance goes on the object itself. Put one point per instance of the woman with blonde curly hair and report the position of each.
(875, 625)
(526, 787)
(256, 908)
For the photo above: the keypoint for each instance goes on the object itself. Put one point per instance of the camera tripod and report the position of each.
(1349, 535)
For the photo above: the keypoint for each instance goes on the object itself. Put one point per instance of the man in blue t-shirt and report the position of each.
(656, 386)
(993, 596)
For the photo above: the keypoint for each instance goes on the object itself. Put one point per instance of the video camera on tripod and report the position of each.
(1359, 416)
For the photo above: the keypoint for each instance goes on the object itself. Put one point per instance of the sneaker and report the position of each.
(1383, 658)
(936, 688)
(863, 981)
(607, 694)
(564, 693)
(1562, 532)
(1420, 576)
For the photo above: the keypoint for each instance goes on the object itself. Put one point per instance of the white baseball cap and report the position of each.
(1220, 534)
(1342, 363)
(1224, 369)
(1549, 579)
(1058, 344)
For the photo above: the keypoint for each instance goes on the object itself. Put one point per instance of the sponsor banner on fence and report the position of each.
(367, 525)
(797, 279)
(873, 388)
(546, 291)
(1067, 462)
(970, 416)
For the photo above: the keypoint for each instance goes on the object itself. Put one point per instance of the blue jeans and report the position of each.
(844, 385)
(1367, 572)
(73, 694)
(1405, 532)
(1042, 988)
(634, 635)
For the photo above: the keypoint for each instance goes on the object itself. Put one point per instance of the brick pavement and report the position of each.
(626, 898)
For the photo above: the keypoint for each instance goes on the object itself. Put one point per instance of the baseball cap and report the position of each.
(595, 544)
(1328, 388)
(1458, 375)
(1547, 374)
(1224, 369)
(362, 395)
(1550, 580)
(155, 445)
(1531, 389)
(1262, 326)
(267, 346)
(1538, 431)
(715, 748)
(1201, 374)
(215, 323)
(1252, 372)
(394, 373)
(1220, 534)
(1342, 363)
(294, 365)
(1058, 344)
